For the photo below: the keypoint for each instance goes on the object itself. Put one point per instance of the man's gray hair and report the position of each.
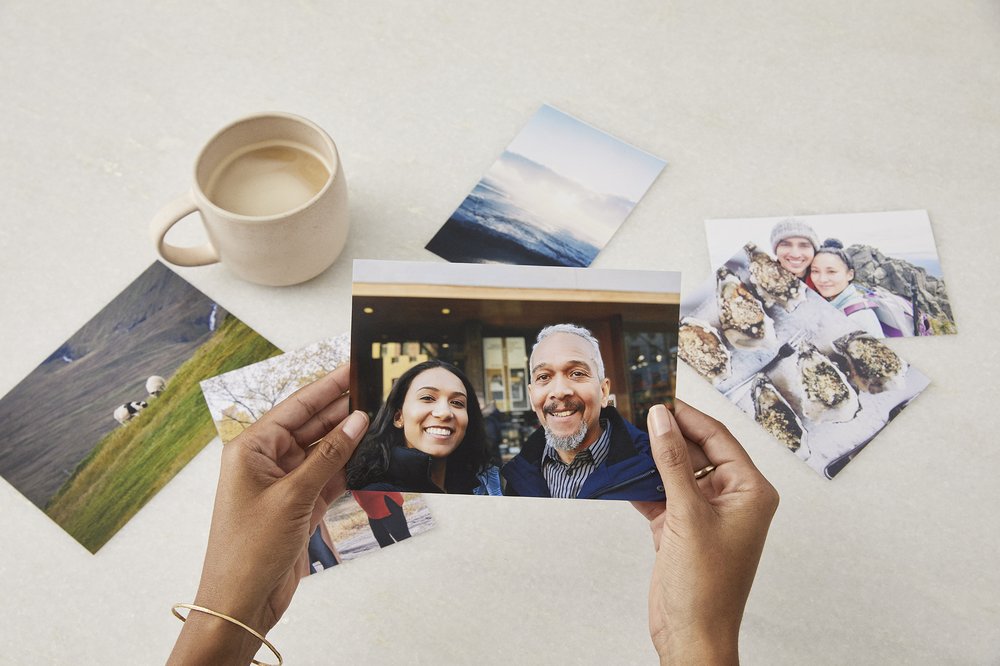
(580, 331)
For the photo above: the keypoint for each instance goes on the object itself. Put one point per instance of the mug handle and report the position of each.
(169, 215)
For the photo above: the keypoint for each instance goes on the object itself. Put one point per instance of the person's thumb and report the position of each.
(671, 457)
(329, 455)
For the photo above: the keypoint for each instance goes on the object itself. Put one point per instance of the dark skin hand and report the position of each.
(708, 538)
(278, 478)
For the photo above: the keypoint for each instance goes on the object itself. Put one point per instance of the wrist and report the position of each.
(712, 647)
(245, 607)
(206, 639)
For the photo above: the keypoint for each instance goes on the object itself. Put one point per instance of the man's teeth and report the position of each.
(564, 414)
(437, 431)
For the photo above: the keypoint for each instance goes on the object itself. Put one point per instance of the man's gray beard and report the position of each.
(566, 442)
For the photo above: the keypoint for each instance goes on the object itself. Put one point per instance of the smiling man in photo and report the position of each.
(584, 448)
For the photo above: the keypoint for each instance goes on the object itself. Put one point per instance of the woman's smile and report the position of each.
(830, 275)
(434, 415)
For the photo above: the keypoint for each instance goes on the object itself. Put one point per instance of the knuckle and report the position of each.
(326, 423)
(719, 425)
(774, 499)
(309, 409)
(766, 495)
(242, 448)
(335, 449)
(671, 456)
(722, 436)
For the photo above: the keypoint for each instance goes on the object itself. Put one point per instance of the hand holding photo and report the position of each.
(554, 197)
(491, 379)
(356, 524)
(810, 376)
(880, 269)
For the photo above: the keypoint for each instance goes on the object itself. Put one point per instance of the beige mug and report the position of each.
(273, 200)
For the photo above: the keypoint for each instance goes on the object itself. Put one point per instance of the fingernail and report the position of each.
(659, 420)
(355, 424)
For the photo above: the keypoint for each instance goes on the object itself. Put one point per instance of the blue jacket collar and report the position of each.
(628, 469)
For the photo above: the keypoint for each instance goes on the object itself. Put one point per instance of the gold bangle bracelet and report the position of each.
(202, 609)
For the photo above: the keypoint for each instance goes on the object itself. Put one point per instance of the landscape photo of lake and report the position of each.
(891, 252)
(555, 197)
(103, 423)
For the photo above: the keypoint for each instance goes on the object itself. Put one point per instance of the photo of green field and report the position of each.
(63, 447)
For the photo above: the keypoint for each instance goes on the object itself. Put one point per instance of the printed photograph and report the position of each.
(359, 522)
(814, 379)
(555, 197)
(111, 416)
(510, 380)
(880, 269)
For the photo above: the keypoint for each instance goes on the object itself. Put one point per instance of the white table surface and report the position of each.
(761, 108)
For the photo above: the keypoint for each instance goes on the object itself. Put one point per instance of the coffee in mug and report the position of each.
(267, 179)
(273, 199)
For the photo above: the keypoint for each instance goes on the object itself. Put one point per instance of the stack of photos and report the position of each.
(881, 269)
(513, 380)
(821, 385)
(554, 197)
(114, 413)
(357, 523)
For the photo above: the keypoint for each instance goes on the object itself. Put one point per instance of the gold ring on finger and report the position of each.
(704, 471)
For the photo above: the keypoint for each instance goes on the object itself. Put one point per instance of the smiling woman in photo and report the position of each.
(833, 274)
(429, 436)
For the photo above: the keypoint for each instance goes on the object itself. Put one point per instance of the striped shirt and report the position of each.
(567, 480)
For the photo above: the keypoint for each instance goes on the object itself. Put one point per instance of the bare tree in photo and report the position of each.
(238, 398)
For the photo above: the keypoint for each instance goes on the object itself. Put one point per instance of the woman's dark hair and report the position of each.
(836, 248)
(370, 462)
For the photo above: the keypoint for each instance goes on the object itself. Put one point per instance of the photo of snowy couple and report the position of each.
(880, 269)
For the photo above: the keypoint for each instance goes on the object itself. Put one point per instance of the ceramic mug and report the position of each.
(272, 197)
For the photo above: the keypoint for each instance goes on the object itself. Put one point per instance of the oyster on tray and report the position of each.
(776, 416)
(742, 318)
(873, 367)
(772, 281)
(826, 396)
(700, 346)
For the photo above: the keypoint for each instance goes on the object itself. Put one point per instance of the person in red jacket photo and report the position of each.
(385, 515)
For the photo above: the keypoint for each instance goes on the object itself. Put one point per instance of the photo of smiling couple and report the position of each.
(881, 269)
(430, 435)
